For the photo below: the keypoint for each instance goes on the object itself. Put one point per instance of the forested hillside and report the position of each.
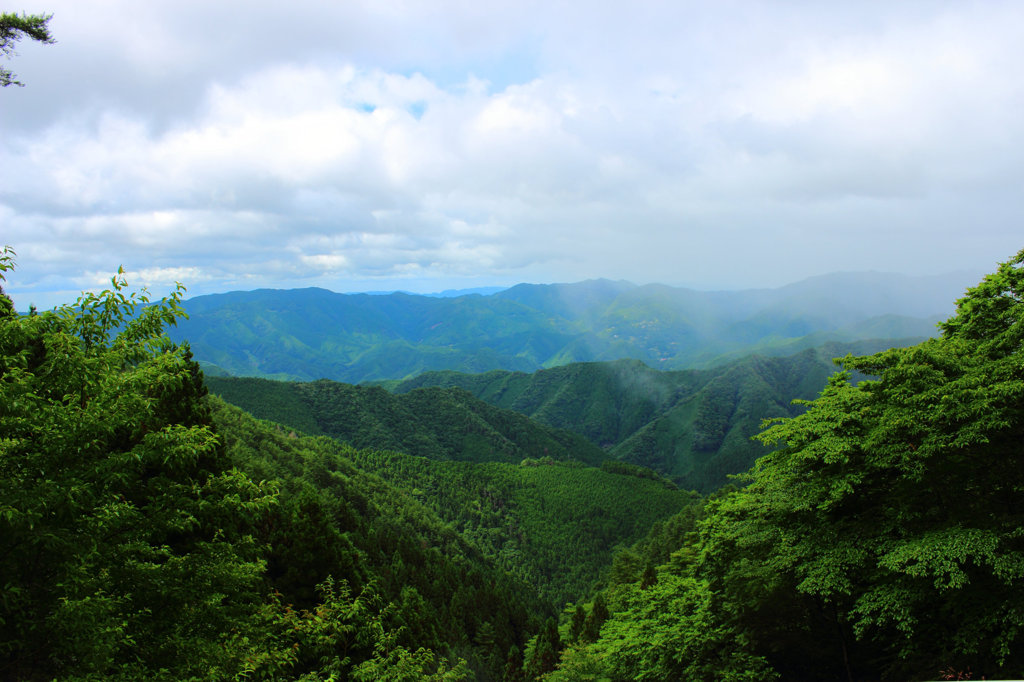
(694, 426)
(412, 576)
(440, 423)
(551, 524)
(518, 490)
(312, 334)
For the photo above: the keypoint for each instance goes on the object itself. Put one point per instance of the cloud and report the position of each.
(719, 145)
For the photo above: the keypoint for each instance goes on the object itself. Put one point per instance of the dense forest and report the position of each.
(693, 426)
(440, 423)
(151, 530)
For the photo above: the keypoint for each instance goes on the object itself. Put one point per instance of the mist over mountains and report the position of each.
(308, 334)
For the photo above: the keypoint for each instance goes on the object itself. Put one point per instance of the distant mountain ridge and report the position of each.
(308, 334)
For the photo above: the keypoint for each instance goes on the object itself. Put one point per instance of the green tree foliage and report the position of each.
(513, 666)
(648, 577)
(881, 540)
(579, 618)
(662, 629)
(543, 656)
(14, 27)
(595, 619)
(124, 542)
(893, 507)
(343, 637)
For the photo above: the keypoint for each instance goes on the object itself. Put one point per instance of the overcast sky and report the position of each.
(428, 145)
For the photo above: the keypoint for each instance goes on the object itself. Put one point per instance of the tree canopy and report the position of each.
(883, 538)
(122, 521)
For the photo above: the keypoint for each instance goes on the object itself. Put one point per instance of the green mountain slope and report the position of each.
(492, 474)
(439, 423)
(692, 425)
(310, 334)
(336, 519)
(706, 436)
(604, 401)
(552, 524)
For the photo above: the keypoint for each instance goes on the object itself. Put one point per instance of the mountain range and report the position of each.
(309, 334)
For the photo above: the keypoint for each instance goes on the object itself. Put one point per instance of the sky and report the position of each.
(423, 146)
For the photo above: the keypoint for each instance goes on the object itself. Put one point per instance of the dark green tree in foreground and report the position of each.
(544, 656)
(892, 515)
(123, 528)
(595, 619)
(13, 28)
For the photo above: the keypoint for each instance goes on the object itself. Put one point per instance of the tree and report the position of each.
(544, 656)
(513, 671)
(595, 619)
(649, 577)
(889, 525)
(125, 533)
(13, 28)
(6, 263)
(883, 539)
(669, 631)
(579, 618)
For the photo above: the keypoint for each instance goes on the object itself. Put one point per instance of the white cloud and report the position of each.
(719, 144)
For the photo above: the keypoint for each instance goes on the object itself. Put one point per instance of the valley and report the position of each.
(388, 341)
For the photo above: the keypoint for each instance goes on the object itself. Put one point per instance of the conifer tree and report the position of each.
(513, 666)
(545, 651)
(579, 618)
(649, 577)
(595, 619)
